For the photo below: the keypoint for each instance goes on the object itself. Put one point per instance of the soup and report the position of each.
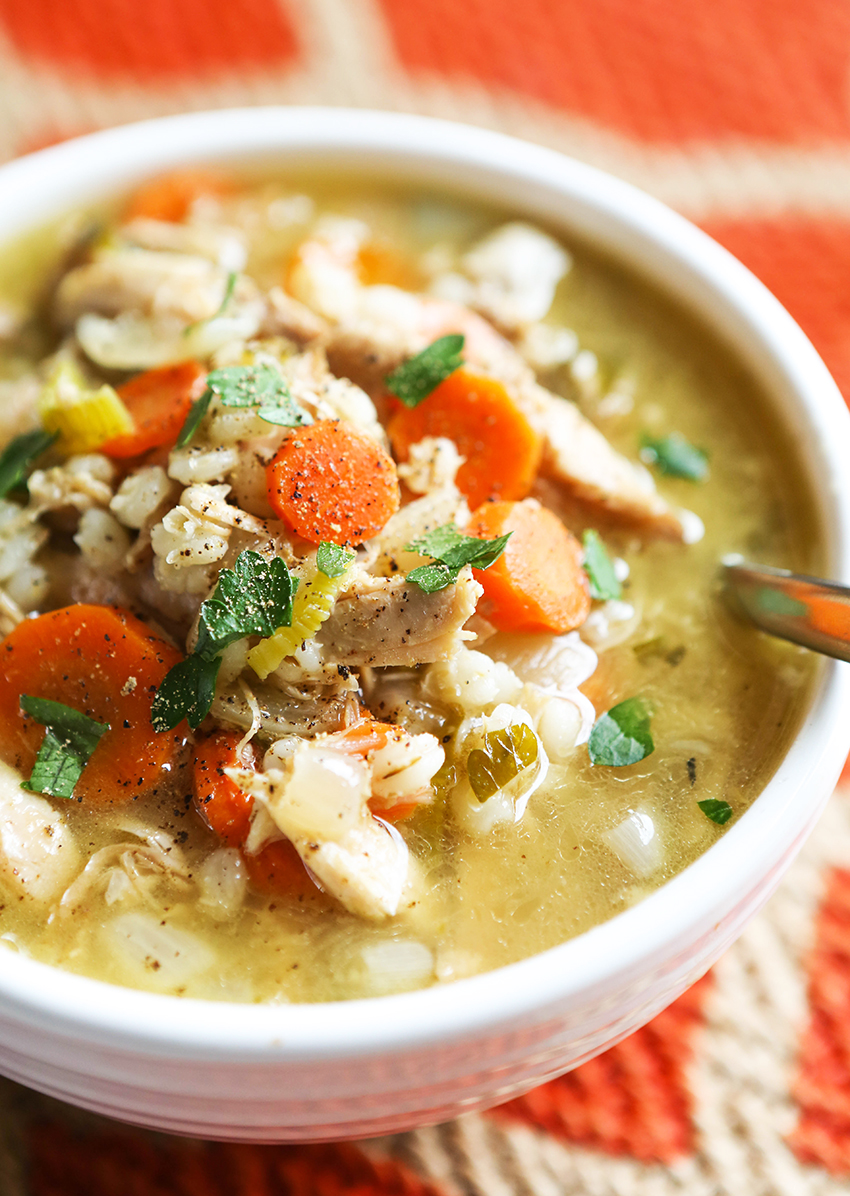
(358, 590)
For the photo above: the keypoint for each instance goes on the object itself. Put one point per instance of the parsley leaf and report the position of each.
(229, 288)
(332, 559)
(246, 386)
(415, 378)
(19, 454)
(196, 413)
(599, 569)
(66, 749)
(675, 456)
(451, 550)
(252, 598)
(718, 811)
(621, 736)
(187, 692)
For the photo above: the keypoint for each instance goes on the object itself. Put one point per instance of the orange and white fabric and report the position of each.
(736, 112)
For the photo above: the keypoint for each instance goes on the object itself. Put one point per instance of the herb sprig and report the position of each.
(622, 736)
(675, 456)
(718, 811)
(333, 559)
(18, 456)
(68, 745)
(229, 288)
(599, 568)
(258, 386)
(417, 377)
(252, 598)
(451, 550)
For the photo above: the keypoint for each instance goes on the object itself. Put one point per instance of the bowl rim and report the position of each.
(645, 936)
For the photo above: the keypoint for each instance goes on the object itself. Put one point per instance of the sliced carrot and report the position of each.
(171, 196)
(367, 736)
(107, 664)
(159, 401)
(380, 265)
(538, 583)
(226, 809)
(331, 481)
(278, 868)
(500, 447)
(362, 737)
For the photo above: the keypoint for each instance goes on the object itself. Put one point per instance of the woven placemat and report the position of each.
(737, 113)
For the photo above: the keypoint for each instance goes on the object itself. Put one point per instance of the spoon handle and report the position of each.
(806, 610)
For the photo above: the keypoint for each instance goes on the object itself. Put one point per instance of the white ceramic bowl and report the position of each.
(366, 1067)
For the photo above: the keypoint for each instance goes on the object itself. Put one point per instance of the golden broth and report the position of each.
(727, 700)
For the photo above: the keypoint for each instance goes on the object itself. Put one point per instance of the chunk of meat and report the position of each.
(120, 280)
(383, 621)
(390, 325)
(320, 805)
(38, 853)
(579, 458)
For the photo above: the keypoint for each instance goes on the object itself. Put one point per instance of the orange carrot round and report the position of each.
(224, 807)
(538, 583)
(333, 482)
(500, 447)
(159, 401)
(107, 664)
(171, 196)
(278, 868)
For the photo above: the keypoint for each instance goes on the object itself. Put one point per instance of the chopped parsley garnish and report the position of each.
(196, 413)
(451, 550)
(229, 288)
(67, 747)
(332, 559)
(187, 692)
(718, 811)
(622, 736)
(599, 568)
(415, 378)
(252, 598)
(19, 454)
(675, 456)
(246, 386)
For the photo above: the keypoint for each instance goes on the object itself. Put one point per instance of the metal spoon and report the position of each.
(804, 610)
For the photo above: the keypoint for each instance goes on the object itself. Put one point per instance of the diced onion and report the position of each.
(153, 955)
(637, 844)
(398, 965)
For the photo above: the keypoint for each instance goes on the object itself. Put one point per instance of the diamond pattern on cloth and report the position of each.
(822, 1088)
(634, 1099)
(151, 42)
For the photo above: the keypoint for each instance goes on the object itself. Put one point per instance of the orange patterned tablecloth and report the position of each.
(736, 112)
